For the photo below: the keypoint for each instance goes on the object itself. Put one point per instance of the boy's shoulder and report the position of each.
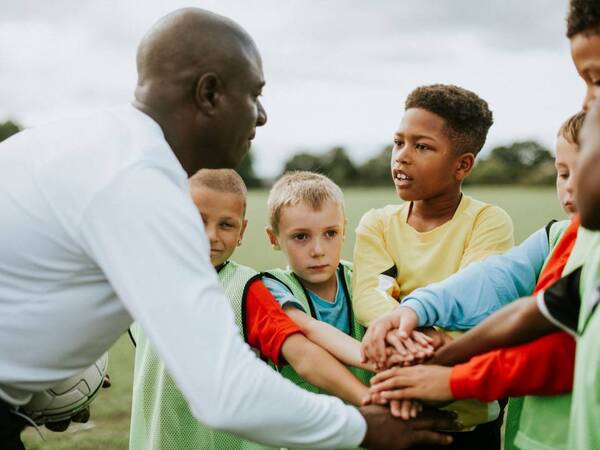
(383, 215)
(237, 268)
(480, 210)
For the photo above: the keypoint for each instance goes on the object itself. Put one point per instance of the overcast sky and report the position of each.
(337, 72)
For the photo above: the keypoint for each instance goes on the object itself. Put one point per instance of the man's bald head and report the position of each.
(195, 70)
(188, 41)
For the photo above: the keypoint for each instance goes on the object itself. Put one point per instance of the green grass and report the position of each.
(108, 428)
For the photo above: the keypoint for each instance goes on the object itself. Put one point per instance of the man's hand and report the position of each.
(387, 432)
(428, 383)
(402, 319)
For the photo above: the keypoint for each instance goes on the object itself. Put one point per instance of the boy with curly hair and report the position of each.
(438, 230)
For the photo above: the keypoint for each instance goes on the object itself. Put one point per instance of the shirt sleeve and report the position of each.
(464, 299)
(375, 290)
(541, 367)
(267, 325)
(145, 234)
(282, 294)
(560, 302)
(492, 235)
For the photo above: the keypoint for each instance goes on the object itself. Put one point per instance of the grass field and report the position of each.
(108, 428)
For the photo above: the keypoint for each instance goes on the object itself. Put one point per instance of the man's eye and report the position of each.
(226, 225)
(398, 142)
(421, 147)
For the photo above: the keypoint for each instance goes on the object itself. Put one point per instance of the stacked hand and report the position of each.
(392, 343)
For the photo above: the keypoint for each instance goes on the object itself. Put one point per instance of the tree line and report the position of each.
(523, 163)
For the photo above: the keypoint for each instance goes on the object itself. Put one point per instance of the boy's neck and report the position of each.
(425, 215)
(326, 290)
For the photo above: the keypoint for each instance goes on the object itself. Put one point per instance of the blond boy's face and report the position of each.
(312, 240)
(585, 51)
(566, 160)
(224, 223)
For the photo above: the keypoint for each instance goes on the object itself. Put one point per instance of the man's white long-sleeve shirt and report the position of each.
(97, 228)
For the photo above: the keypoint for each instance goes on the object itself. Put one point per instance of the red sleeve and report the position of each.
(267, 325)
(541, 367)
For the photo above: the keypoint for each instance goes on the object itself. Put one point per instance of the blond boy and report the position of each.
(161, 418)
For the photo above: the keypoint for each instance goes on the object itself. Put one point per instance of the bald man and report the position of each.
(98, 228)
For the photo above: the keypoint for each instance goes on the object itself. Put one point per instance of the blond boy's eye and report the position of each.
(300, 237)
(331, 233)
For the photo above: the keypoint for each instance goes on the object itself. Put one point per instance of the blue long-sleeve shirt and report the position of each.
(464, 299)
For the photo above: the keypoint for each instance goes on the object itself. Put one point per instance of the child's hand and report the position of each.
(427, 383)
(437, 337)
(408, 350)
(405, 409)
(403, 320)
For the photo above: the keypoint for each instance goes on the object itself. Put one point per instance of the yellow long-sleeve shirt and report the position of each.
(391, 258)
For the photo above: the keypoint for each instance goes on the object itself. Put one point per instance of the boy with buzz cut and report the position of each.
(307, 222)
(438, 230)
(161, 418)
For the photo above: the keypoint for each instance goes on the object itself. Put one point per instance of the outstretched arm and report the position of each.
(339, 344)
(517, 323)
(463, 300)
(318, 367)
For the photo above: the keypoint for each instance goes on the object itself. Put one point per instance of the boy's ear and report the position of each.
(272, 238)
(242, 231)
(464, 165)
(208, 92)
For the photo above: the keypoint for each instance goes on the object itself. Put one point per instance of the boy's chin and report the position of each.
(317, 278)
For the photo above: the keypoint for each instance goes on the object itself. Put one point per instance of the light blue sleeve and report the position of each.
(464, 299)
(281, 293)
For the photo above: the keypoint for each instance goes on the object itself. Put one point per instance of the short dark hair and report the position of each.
(467, 116)
(571, 127)
(583, 17)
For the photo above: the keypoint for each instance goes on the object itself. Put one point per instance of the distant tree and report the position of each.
(246, 171)
(376, 171)
(490, 171)
(304, 161)
(8, 128)
(524, 162)
(335, 163)
(338, 166)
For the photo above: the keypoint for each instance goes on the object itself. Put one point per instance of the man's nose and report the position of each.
(261, 118)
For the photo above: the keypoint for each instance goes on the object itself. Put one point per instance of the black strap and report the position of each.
(548, 226)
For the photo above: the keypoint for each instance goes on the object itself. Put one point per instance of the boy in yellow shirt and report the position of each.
(437, 230)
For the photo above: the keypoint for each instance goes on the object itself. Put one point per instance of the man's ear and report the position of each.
(242, 231)
(464, 165)
(272, 238)
(208, 92)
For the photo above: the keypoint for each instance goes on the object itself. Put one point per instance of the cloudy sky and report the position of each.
(337, 71)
